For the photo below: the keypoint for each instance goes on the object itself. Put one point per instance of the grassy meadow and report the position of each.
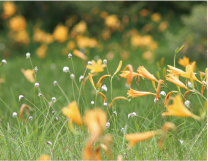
(144, 124)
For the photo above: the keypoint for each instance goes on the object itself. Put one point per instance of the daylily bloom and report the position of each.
(168, 96)
(60, 33)
(79, 54)
(116, 98)
(72, 112)
(130, 75)
(134, 93)
(175, 80)
(29, 75)
(125, 74)
(138, 137)
(184, 62)
(145, 74)
(158, 89)
(189, 72)
(96, 67)
(104, 97)
(44, 157)
(175, 71)
(178, 109)
(9, 9)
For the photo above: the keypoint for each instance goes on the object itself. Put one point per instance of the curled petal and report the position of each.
(100, 80)
(104, 97)
(116, 98)
(118, 68)
(22, 109)
(91, 81)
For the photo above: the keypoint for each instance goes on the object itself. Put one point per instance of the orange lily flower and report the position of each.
(96, 67)
(130, 75)
(116, 98)
(184, 62)
(168, 96)
(79, 54)
(72, 112)
(158, 89)
(125, 74)
(100, 80)
(91, 80)
(178, 109)
(134, 93)
(104, 97)
(175, 71)
(189, 72)
(28, 75)
(118, 68)
(138, 137)
(176, 81)
(145, 74)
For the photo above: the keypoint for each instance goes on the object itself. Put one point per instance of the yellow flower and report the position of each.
(96, 67)
(175, 71)
(144, 12)
(178, 109)
(44, 157)
(60, 33)
(134, 93)
(79, 54)
(189, 72)
(72, 112)
(17, 23)
(163, 26)
(22, 37)
(9, 9)
(145, 74)
(71, 45)
(138, 137)
(176, 81)
(41, 51)
(125, 74)
(118, 68)
(29, 75)
(112, 21)
(81, 27)
(156, 17)
(184, 62)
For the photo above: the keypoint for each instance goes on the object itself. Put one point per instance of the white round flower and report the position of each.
(163, 93)
(4, 61)
(54, 99)
(36, 69)
(14, 114)
(189, 84)
(105, 104)
(104, 61)
(56, 118)
(66, 69)
(181, 141)
(115, 113)
(49, 143)
(55, 83)
(37, 84)
(107, 124)
(80, 78)
(92, 102)
(72, 76)
(155, 100)
(28, 55)
(53, 112)
(104, 88)
(20, 97)
(30, 118)
(131, 114)
(89, 63)
(40, 94)
(187, 103)
(69, 55)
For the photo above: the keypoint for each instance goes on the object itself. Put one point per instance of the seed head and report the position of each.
(133, 114)
(115, 113)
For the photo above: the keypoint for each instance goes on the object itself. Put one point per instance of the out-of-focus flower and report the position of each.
(145, 74)
(41, 36)
(17, 23)
(138, 137)
(81, 27)
(134, 93)
(37, 84)
(125, 74)
(28, 55)
(184, 62)
(44, 157)
(104, 88)
(60, 33)
(163, 93)
(84, 42)
(65, 69)
(71, 45)
(72, 112)
(175, 80)
(144, 12)
(22, 37)
(14, 114)
(3, 61)
(187, 103)
(149, 56)
(21, 97)
(79, 54)
(96, 67)
(41, 51)
(9, 9)
(189, 73)
(178, 109)
(103, 14)
(107, 124)
(112, 21)
(133, 114)
(156, 17)
(29, 75)
(163, 26)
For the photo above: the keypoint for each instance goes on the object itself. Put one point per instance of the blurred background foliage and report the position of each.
(154, 28)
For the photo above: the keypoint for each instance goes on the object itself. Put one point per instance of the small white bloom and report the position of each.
(187, 103)
(20, 97)
(155, 100)
(54, 99)
(115, 113)
(49, 143)
(55, 83)
(104, 61)
(56, 118)
(14, 114)
(40, 94)
(92, 102)
(66, 69)
(131, 114)
(122, 130)
(28, 55)
(189, 84)
(107, 124)
(89, 63)
(53, 112)
(80, 78)
(69, 55)
(36, 69)
(37, 84)
(30, 118)
(105, 104)
(4, 61)
(72, 76)
(181, 141)
(163, 93)
(104, 88)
